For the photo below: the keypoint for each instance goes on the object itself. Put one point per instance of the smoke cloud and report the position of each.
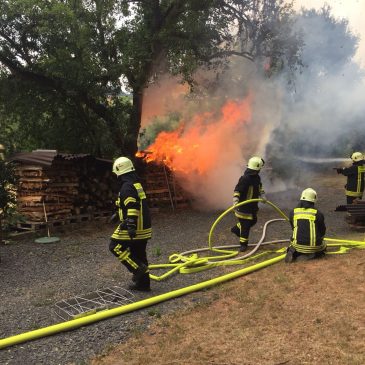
(318, 115)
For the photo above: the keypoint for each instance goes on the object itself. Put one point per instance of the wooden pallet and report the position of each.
(74, 219)
(36, 226)
(355, 213)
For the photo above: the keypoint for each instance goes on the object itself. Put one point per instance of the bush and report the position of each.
(7, 195)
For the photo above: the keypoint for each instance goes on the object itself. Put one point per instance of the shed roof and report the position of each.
(46, 157)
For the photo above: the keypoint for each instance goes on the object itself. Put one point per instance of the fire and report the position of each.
(197, 146)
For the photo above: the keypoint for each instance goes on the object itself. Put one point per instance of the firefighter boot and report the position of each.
(235, 230)
(142, 284)
(243, 246)
(141, 279)
(291, 255)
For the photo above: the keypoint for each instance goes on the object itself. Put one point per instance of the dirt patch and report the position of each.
(303, 313)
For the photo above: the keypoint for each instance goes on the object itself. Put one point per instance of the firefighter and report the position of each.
(355, 177)
(248, 187)
(129, 240)
(308, 227)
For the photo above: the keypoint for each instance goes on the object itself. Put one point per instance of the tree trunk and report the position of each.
(130, 144)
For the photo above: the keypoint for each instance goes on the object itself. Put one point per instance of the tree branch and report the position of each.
(57, 84)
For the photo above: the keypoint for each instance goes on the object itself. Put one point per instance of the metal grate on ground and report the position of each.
(92, 302)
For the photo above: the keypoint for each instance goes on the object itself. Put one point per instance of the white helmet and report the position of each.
(255, 163)
(357, 156)
(122, 165)
(309, 195)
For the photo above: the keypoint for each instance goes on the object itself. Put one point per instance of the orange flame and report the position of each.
(196, 146)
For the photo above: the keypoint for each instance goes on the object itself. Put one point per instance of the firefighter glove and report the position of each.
(114, 218)
(339, 170)
(131, 227)
(235, 200)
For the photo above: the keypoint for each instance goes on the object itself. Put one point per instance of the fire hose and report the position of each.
(189, 264)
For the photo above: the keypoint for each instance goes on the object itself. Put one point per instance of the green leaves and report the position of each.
(64, 61)
(7, 193)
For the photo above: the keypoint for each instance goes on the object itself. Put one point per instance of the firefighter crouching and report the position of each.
(248, 187)
(308, 229)
(355, 177)
(129, 240)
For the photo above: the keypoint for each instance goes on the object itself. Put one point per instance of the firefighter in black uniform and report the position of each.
(248, 187)
(129, 240)
(355, 177)
(308, 229)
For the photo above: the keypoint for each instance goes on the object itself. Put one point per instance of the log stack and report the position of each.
(355, 213)
(97, 189)
(162, 187)
(65, 189)
(41, 189)
(73, 188)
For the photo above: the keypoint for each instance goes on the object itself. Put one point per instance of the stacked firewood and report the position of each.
(64, 190)
(355, 212)
(97, 189)
(162, 187)
(44, 191)
(74, 187)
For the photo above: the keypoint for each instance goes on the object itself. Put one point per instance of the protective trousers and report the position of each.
(242, 228)
(132, 254)
(350, 199)
(245, 226)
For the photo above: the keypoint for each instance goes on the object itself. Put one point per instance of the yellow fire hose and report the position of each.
(185, 264)
(75, 323)
(188, 264)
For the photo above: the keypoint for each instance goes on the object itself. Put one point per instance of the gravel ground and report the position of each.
(36, 276)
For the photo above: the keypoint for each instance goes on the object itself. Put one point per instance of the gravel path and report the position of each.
(36, 276)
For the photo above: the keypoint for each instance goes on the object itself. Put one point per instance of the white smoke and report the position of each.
(311, 119)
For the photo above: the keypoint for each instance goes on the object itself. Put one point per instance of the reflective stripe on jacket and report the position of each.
(355, 179)
(308, 230)
(248, 187)
(132, 204)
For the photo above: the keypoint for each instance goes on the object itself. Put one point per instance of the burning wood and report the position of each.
(160, 183)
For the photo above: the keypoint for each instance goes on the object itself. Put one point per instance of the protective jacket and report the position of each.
(248, 187)
(308, 228)
(355, 179)
(132, 206)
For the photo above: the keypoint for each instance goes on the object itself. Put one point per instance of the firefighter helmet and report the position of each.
(309, 195)
(122, 165)
(255, 163)
(357, 156)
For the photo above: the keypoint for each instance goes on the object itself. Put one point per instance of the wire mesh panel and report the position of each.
(92, 302)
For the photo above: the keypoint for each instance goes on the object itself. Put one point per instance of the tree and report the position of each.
(7, 193)
(68, 60)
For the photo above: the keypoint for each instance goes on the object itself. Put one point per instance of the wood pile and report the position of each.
(162, 188)
(42, 189)
(66, 189)
(97, 189)
(355, 213)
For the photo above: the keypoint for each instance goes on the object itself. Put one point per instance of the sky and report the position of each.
(353, 10)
